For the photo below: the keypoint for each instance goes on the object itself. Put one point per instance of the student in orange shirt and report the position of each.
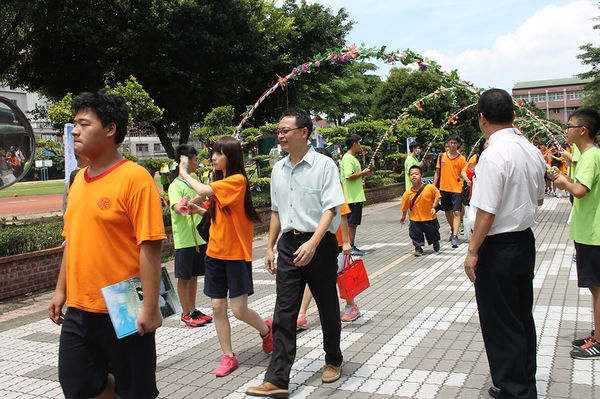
(447, 174)
(351, 312)
(228, 261)
(114, 231)
(421, 200)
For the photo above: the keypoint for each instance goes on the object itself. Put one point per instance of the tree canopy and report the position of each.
(190, 56)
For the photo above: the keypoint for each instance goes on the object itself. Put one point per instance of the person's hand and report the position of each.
(149, 319)
(346, 249)
(55, 307)
(305, 253)
(561, 182)
(554, 173)
(402, 219)
(183, 163)
(468, 182)
(567, 155)
(195, 209)
(421, 164)
(432, 212)
(198, 200)
(270, 261)
(367, 172)
(471, 265)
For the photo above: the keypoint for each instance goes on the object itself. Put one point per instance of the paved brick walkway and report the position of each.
(418, 337)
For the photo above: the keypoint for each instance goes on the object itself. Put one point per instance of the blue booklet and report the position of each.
(124, 301)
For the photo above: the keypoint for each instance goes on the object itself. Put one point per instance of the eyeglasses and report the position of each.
(286, 131)
(572, 126)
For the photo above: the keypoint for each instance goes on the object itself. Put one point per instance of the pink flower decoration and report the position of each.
(296, 71)
(344, 57)
(317, 64)
(304, 68)
(423, 67)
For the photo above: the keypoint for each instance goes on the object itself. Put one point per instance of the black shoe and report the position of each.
(591, 350)
(418, 251)
(436, 246)
(493, 391)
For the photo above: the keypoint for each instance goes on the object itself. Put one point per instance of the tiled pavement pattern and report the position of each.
(418, 337)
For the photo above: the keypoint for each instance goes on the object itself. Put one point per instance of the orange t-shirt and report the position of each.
(106, 220)
(344, 210)
(231, 232)
(472, 161)
(450, 170)
(421, 211)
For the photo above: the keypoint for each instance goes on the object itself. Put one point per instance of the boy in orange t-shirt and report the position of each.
(114, 231)
(421, 200)
(447, 174)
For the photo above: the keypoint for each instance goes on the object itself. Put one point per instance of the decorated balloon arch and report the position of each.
(450, 83)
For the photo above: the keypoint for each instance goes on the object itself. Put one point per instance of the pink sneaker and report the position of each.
(228, 364)
(351, 314)
(301, 323)
(268, 339)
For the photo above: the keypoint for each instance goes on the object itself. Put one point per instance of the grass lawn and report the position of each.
(44, 188)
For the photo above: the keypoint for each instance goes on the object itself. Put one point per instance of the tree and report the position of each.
(591, 56)
(190, 56)
(350, 93)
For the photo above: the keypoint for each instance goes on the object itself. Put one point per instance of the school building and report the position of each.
(558, 97)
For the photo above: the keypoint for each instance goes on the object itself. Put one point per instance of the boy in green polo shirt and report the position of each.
(585, 222)
(190, 248)
(352, 175)
(411, 160)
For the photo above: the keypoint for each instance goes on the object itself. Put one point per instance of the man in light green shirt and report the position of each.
(190, 248)
(581, 130)
(414, 148)
(354, 192)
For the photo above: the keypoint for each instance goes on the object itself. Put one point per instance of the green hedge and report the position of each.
(16, 240)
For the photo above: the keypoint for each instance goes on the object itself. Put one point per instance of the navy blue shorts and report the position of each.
(189, 263)
(588, 265)
(89, 348)
(221, 276)
(355, 217)
(450, 201)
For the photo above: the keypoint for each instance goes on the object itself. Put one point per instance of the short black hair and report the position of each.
(351, 139)
(412, 146)
(324, 151)
(109, 108)
(303, 118)
(497, 106)
(589, 118)
(185, 149)
(454, 137)
(416, 167)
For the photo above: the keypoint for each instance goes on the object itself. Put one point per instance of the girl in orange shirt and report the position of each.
(229, 253)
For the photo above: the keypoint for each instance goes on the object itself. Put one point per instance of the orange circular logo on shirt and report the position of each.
(104, 203)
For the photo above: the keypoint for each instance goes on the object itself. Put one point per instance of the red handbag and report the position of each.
(353, 278)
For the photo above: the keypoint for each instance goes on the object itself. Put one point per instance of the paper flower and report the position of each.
(296, 71)
(317, 64)
(422, 66)
(304, 68)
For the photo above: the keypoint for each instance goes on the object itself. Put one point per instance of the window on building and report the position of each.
(538, 98)
(574, 95)
(560, 96)
(556, 110)
(571, 109)
(158, 147)
(141, 147)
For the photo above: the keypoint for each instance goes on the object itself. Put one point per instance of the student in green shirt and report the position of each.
(354, 192)
(581, 130)
(411, 160)
(190, 248)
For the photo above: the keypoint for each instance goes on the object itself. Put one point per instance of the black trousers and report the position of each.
(321, 276)
(429, 228)
(504, 291)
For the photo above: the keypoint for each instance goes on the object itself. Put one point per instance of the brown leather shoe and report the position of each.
(266, 389)
(331, 373)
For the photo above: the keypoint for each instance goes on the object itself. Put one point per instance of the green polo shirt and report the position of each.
(408, 163)
(353, 189)
(585, 222)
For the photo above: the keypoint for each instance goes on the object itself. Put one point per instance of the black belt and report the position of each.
(297, 232)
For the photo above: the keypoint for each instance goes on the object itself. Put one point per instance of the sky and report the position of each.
(492, 44)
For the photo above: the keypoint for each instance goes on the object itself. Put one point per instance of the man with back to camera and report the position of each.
(508, 188)
(114, 231)
(306, 197)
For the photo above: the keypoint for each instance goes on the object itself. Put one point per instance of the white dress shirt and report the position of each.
(303, 192)
(509, 181)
